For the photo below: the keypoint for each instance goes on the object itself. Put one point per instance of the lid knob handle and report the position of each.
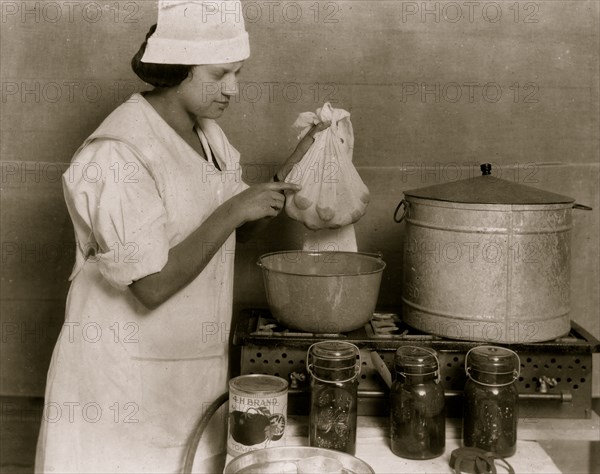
(486, 169)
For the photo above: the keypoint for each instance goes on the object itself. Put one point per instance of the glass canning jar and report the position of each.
(491, 400)
(417, 415)
(334, 367)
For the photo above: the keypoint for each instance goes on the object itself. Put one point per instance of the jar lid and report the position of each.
(471, 460)
(333, 354)
(492, 359)
(488, 189)
(415, 360)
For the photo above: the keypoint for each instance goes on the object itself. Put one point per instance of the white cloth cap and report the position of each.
(194, 32)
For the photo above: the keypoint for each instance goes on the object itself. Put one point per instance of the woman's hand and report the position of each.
(261, 200)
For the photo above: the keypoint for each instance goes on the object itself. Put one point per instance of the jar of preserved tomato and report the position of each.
(491, 400)
(417, 415)
(334, 367)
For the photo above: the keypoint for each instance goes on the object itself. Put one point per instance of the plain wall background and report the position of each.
(432, 94)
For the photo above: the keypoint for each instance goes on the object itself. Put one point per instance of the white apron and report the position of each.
(126, 385)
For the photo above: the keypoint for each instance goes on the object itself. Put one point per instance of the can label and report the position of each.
(257, 413)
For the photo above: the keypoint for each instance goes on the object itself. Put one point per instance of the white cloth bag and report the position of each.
(333, 196)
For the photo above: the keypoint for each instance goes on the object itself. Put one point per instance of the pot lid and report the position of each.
(487, 189)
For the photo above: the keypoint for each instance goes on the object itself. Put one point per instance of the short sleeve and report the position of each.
(117, 211)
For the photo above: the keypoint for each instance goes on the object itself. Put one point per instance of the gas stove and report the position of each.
(555, 379)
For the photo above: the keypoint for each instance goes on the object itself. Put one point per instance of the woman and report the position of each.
(138, 359)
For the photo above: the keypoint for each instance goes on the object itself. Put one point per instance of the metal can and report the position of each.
(257, 413)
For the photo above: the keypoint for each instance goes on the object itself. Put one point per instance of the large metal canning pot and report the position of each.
(487, 259)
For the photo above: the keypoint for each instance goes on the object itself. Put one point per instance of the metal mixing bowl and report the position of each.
(322, 292)
(269, 460)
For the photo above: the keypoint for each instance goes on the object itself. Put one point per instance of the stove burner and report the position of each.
(268, 326)
(383, 325)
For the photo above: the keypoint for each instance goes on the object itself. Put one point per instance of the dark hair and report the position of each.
(158, 75)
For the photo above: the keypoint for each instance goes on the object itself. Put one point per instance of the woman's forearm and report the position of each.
(188, 258)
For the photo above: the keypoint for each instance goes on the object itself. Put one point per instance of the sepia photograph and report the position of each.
(297, 237)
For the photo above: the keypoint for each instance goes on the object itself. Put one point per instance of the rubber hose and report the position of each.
(194, 441)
